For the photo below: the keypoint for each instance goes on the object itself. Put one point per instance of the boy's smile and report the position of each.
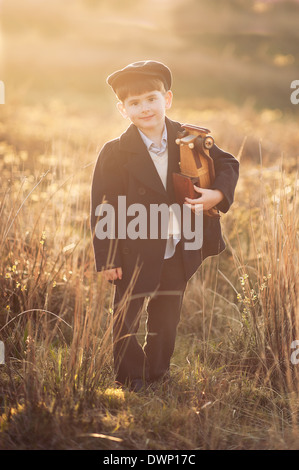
(147, 111)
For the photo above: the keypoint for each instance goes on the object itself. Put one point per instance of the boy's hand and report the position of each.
(209, 198)
(112, 274)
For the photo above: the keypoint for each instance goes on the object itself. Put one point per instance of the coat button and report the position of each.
(141, 191)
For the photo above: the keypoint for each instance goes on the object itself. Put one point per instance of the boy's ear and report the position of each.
(122, 109)
(168, 99)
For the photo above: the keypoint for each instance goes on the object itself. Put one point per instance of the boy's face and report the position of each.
(146, 111)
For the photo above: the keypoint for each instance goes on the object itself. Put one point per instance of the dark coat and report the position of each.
(124, 167)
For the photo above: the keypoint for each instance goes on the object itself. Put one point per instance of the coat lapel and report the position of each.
(173, 152)
(140, 163)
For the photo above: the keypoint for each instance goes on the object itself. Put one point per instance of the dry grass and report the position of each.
(233, 385)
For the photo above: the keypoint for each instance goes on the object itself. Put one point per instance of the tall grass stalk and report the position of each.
(268, 298)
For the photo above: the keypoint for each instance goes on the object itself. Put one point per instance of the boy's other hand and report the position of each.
(209, 198)
(112, 274)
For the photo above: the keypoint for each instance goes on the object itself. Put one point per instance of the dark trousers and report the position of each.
(152, 361)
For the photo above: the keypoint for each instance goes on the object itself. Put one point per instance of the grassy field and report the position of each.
(233, 383)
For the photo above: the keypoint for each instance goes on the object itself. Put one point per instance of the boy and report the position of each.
(137, 168)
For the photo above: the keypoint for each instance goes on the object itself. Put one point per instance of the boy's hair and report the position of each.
(138, 86)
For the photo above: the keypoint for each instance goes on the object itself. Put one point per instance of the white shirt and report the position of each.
(159, 156)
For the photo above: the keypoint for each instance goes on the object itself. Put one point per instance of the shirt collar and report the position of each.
(151, 146)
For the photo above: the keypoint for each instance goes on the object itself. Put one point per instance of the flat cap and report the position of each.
(150, 68)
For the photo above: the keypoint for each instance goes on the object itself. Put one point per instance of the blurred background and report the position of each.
(240, 51)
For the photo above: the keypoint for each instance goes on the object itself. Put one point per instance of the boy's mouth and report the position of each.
(146, 118)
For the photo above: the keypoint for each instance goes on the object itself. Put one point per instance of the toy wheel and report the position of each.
(208, 142)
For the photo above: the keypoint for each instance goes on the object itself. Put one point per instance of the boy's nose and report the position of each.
(145, 106)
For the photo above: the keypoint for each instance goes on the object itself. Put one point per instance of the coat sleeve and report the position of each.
(106, 186)
(226, 176)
